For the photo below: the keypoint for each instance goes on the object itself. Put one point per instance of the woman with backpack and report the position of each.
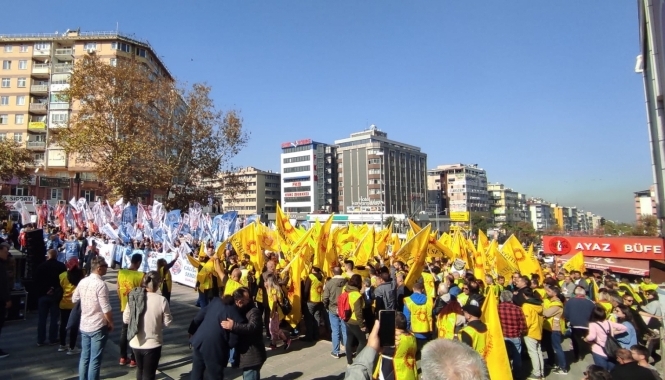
(275, 302)
(625, 317)
(599, 330)
(354, 316)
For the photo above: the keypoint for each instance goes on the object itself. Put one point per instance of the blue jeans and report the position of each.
(557, 337)
(602, 361)
(338, 329)
(252, 373)
(92, 344)
(47, 305)
(514, 348)
(203, 300)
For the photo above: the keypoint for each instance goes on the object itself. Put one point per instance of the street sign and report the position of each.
(459, 216)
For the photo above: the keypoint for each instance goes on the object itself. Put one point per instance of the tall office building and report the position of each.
(541, 215)
(379, 175)
(36, 68)
(459, 188)
(308, 177)
(504, 204)
(645, 203)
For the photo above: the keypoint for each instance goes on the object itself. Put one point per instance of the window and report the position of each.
(297, 169)
(141, 52)
(8, 48)
(90, 45)
(89, 195)
(3, 136)
(297, 159)
(340, 184)
(58, 118)
(4, 118)
(19, 119)
(6, 65)
(4, 100)
(21, 82)
(341, 192)
(20, 100)
(114, 62)
(18, 137)
(297, 199)
(297, 188)
(23, 64)
(42, 46)
(24, 48)
(56, 194)
(297, 179)
(18, 191)
(121, 46)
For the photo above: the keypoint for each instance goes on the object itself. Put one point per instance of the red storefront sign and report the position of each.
(645, 248)
(296, 143)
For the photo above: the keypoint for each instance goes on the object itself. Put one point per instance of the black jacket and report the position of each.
(251, 349)
(630, 371)
(307, 288)
(48, 276)
(5, 286)
(208, 336)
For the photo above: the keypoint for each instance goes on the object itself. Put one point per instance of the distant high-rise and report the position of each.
(459, 188)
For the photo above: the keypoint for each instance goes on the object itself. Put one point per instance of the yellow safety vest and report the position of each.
(404, 361)
(478, 339)
(445, 325)
(607, 306)
(548, 323)
(462, 299)
(428, 281)
(231, 286)
(421, 316)
(243, 277)
(316, 290)
(67, 292)
(259, 295)
(127, 280)
(353, 298)
(493, 289)
(541, 293)
(166, 278)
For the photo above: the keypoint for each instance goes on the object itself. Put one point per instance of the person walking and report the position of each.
(331, 291)
(276, 296)
(513, 325)
(599, 329)
(164, 270)
(96, 319)
(49, 294)
(68, 281)
(5, 287)
(533, 311)
(355, 323)
(313, 294)
(128, 279)
(577, 312)
(251, 349)
(554, 328)
(146, 315)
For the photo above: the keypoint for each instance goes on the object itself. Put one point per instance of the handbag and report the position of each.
(285, 305)
(611, 344)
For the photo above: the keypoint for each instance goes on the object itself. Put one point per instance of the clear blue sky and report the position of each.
(542, 94)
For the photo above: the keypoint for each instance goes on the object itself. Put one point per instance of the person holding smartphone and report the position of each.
(397, 362)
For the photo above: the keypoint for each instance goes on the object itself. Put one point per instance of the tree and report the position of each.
(523, 231)
(617, 229)
(139, 130)
(388, 221)
(480, 222)
(647, 225)
(15, 161)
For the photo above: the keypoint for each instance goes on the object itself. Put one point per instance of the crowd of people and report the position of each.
(439, 328)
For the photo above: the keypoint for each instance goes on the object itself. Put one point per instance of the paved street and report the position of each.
(303, 361)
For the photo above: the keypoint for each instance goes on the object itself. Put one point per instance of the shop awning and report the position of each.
(625, 266)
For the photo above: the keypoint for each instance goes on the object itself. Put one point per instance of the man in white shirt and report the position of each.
(96, 318)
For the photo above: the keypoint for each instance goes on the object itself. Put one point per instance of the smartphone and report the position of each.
(387, 328)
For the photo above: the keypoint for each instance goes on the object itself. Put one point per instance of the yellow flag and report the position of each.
(415, 227)
(495, 354)
(322, 239)
(458, 246)
(383, 240)
(527, 264)
(268, 239)
(575, 263)
(287, 233)
(479, 266)
(245, 243)
(417, 248)
(504, 267)
(534, 259)
(483, 243)
(445, 239)
(365, 249)
(395, 244)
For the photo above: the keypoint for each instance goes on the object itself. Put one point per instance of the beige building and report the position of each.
(504, 204)
(35, 69)
(458, 188)
(645, 203)
(260, 196)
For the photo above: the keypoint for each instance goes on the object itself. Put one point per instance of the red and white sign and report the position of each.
(644, 248)
(296, 143)
(298, 194)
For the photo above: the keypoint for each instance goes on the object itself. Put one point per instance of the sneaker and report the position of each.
(560, 371)
(336, 356)
(132, 364)
(287, 344)
(62, 348)
(41, 344)
(3, 354)
(74, 351)
(272, 347)
(123, 361)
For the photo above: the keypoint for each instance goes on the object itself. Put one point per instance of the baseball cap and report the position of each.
(473, 310)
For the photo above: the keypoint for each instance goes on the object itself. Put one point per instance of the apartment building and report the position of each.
(379, 175)
(461, 187)
(257, 192)
(541, 215)
(308, 182)
(504, 204)
(36, 68)
(645, 203)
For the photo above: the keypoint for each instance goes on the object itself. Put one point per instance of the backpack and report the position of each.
(285, 305)
(611, 344)
(344, 307)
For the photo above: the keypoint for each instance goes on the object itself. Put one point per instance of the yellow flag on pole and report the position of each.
(483, 243)
(575, 263)
(365, 249)
(383, 240)
(495, 353)
(245, 243)
(417, 248)
(287, 233)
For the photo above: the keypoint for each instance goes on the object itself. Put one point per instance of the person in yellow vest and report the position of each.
(533, 311)
(554, 327)
(604, 301)
(463, 297)
(418, 313)
(399, 362)
(449, 318)
(428, 281)
(354, 326)
(313, 293)
(645, 285)
(128, 279)
(625, 287)
(275, 296)
(68, 281)
(491, 288)
(538, 289)
(164, 270)
(348, 269)
(474, 334)
(206, 278)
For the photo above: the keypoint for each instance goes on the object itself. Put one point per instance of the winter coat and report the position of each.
(136, 302)
(250, 345)
(331, 292)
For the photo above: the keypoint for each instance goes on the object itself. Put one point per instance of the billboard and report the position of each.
(459, 216)
(634, 247)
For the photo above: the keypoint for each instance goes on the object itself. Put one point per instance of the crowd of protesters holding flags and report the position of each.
(463, 309)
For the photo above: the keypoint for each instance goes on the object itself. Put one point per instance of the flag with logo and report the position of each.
(494, 353)
(416, 250)
(575, 263)
(245, 243)
(365, 249)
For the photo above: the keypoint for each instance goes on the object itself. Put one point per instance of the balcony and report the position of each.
(39, 88)
(41, 52)
(59, 106)
(37, 126)
(62, 68)
(68, 52)
(56, 87)
(41, 69)
(36, 145)
(38, 107)
(38, 163)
